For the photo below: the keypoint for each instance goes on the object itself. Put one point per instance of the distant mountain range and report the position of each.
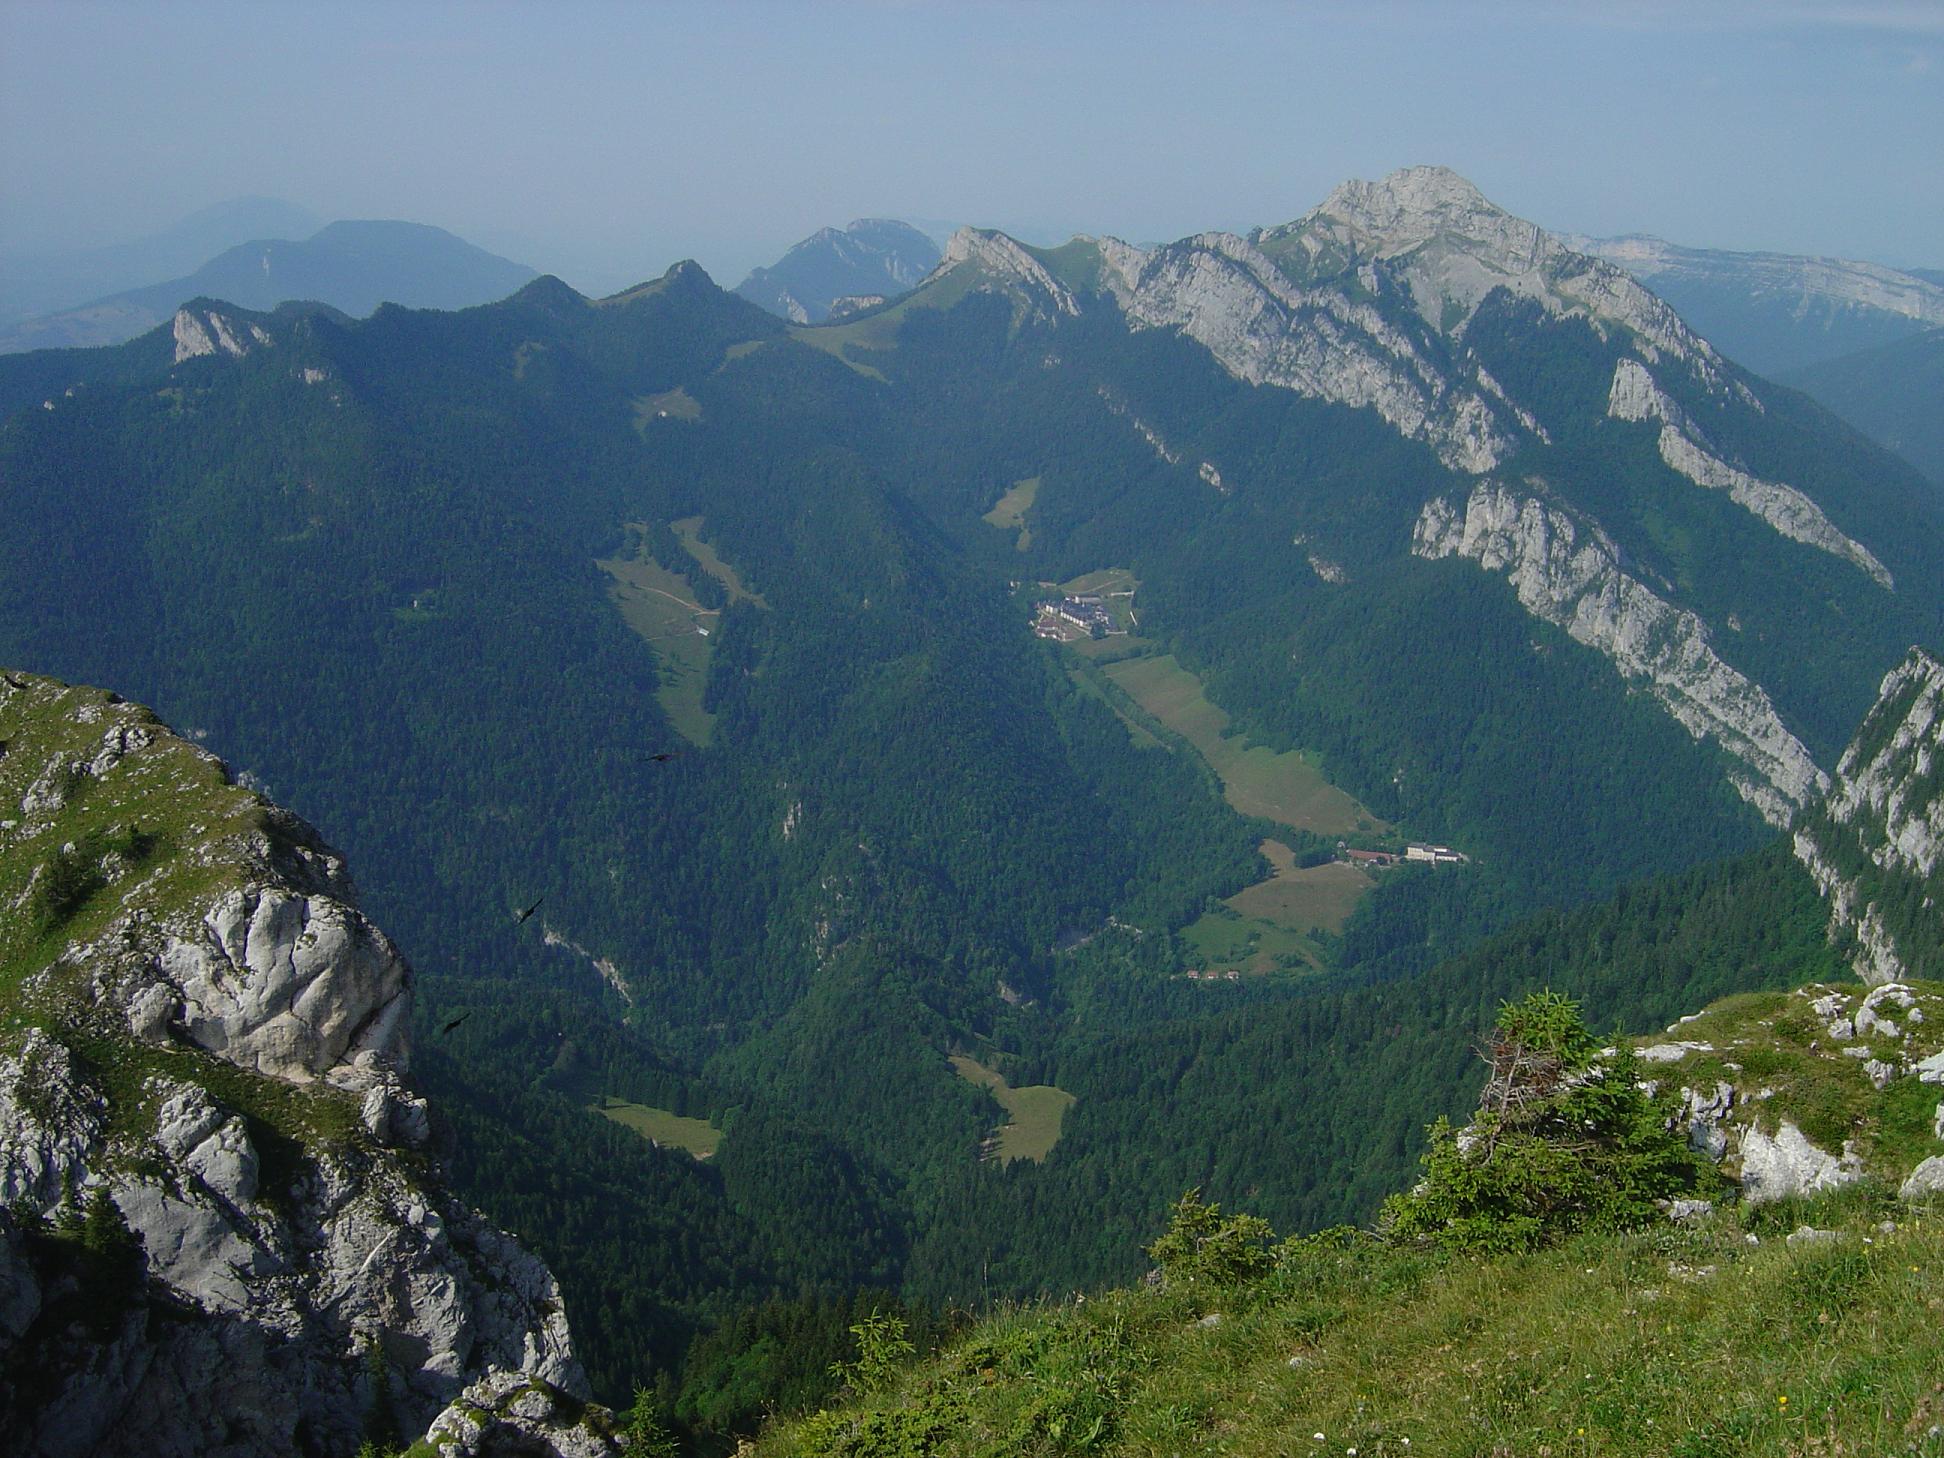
(1775, 312)
(871, 260)
(43, 281)
(353, 266)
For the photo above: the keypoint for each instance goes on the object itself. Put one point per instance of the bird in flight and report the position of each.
(665, 755)
(454, 1023)
(521, 918)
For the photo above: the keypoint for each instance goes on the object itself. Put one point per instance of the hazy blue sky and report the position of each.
(603, 141)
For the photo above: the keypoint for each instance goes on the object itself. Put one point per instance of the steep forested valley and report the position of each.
(668, 675)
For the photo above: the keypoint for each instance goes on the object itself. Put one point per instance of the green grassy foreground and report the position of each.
(1671, 1341)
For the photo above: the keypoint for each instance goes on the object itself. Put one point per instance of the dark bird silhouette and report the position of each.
(13, 682)
(666, 755)
(521, 918)
(454, 1023)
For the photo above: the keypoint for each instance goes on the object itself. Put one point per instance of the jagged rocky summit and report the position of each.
(830, 273)
(225, 1230)
(1367, 301)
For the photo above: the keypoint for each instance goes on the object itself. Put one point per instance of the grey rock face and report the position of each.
(1925, 1180)
(1567, 571)
(286, 1233)
(1886, 805)
(1006, 263)
(289, 985)
(201, 331)
(1224, 293)
(505, 1415)
(1635, 396)
(1786, 1163)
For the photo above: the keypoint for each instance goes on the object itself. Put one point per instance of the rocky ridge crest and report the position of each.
(1876, 845)
(1570, 573)
(203, 1041)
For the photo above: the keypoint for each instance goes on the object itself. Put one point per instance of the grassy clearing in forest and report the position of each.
(1304, 898)
(660, 607)
(1009, 512)
(1285, 787)
(689, 529)
(1033, 1113)
(698, 1136)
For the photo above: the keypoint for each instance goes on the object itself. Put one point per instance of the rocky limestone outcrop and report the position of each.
(1786, 1164)
(1636, 396)
(1876, 846)
(200, 330)
(1365, 301)
(1818, 1048)
(1452, 246)
(1035, 292)
(1324, 342)
(509, 1416)
(1568, 572)
(213, 1061)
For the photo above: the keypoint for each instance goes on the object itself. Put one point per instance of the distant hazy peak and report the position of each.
(1841, 280)
(871, 256)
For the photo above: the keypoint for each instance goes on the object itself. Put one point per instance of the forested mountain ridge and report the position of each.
(462, 566)
(1398, 296)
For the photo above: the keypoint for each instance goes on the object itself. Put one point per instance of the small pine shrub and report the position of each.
(882, 1348)
(642, 1433)
(1201, 1244)
(1563, 1140)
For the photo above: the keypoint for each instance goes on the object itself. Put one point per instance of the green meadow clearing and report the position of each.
(1033, 1113)
(1315, 897)
(689, 529)
(657, 604)
(675, 404)
(1285, 787)
(698, 1136)
(1009, 512)
(1266, 927)
(660, 606)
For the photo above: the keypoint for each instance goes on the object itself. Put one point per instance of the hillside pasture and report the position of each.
(1313, 898)
(1286, 787)
(1009, 511)
(664, 1126)
(658, 605)
(689, 529)
(1033, 1113)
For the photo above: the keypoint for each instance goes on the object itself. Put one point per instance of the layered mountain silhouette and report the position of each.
(871, 260)
(353, 266)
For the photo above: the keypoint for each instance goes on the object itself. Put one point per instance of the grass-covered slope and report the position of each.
(1804, 1323)
(1690, 1342)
